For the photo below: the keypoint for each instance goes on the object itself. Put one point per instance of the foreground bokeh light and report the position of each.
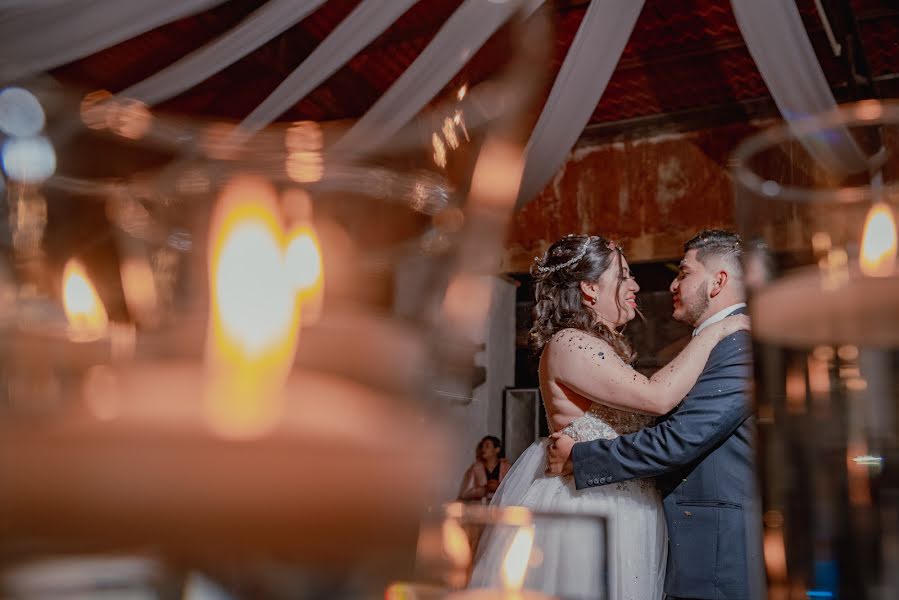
(29, 159)
(21, 114)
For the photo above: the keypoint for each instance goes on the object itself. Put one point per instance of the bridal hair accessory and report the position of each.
(571, 261)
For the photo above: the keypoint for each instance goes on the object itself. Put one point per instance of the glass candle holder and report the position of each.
(816, 206)
(220, 344)
(479, 552)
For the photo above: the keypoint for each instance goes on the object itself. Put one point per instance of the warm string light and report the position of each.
(439, 150)
(447, 137)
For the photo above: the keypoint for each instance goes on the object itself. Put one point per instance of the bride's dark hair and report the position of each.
(557, 277)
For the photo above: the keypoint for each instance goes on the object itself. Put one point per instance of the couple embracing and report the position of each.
(679, 491)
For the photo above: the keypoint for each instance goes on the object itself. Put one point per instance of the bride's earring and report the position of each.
(593, 300)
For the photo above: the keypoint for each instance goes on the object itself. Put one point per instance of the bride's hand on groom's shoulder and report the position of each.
(559, 451)
(730, 325)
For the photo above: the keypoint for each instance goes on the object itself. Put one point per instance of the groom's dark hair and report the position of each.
(718, 243)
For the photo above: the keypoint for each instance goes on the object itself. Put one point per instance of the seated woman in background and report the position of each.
(486, 473)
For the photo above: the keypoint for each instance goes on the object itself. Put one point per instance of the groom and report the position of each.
(701, 453)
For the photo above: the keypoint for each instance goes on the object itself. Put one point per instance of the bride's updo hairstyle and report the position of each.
(560, 302)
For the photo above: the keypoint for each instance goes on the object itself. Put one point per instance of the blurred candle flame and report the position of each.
(303, 261)
(455, 544)
(254, 313)
(83, 307)
(775, 555)
(515, 563)
(467, 304)
(139, 288)
(497, 175)
(878, 254)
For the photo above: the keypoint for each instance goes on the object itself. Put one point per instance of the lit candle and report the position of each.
(254, 313)
(878, 255)
(74, 335)
(84, 310)
(513, 573)
(146, 435)
(839, 301)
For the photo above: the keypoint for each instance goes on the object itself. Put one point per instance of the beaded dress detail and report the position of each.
(604, 423)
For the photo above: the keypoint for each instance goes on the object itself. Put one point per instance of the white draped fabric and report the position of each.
(43, 35)
(781, 49)
(8, 5)
(364, 24)
(586, 71)
(36, 35)
(460, 37)
(270, 20)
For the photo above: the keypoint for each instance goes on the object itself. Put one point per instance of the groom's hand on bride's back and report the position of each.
(559, 451)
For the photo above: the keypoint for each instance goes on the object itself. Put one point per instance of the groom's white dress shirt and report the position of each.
(718, 316)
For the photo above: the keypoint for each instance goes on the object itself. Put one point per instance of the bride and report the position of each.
(585, 294)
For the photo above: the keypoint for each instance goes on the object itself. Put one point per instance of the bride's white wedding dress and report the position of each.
(571, 555)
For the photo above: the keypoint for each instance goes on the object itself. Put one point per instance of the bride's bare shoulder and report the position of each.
(572, 340)
(569, 333)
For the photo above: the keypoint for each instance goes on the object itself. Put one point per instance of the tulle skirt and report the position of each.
(571, 554)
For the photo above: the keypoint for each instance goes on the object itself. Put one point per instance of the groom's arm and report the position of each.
(716, 406)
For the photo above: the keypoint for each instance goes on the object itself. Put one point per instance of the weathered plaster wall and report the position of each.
(648, 193)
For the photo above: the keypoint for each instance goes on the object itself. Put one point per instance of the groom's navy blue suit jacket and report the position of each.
(701, 455)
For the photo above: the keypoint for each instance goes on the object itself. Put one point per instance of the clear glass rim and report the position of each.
(864, 113)
(188, 139)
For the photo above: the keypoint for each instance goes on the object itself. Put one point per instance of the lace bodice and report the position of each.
(602, 422)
